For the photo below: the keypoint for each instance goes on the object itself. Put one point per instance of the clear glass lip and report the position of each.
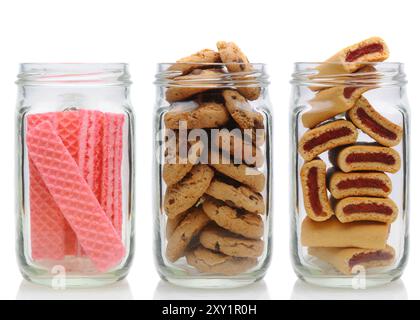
(73, 73)
(368, 74)
(255, 77)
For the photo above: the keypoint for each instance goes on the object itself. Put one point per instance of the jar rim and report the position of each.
(366, 74)
(73, 74)
(256, 76)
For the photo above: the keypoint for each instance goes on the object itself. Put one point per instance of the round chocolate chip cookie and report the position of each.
(188, 228)
(197, 81)
(238, 196)
(219, 240)
(196, 61)
(204, 115)
(241, 111)
(249, 225)
(184, 194)
(241, 173)
(232, 142)
(207, 261)
(236, 61)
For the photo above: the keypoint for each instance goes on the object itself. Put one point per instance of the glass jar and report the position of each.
(75, 174)
(350, 164)
(212, 175)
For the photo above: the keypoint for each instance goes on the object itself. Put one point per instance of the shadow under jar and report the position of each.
(74, 174)
(212, 175)
(350, 164)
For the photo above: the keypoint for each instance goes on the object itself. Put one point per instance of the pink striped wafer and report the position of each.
(73, 196)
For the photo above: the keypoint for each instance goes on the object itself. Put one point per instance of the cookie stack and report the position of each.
(347, 202)
(214, 192)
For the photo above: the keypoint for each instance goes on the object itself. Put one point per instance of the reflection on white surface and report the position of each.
(392, 291)
(167, 291)
(118, 291)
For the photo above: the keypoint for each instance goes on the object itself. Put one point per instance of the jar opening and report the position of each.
(213, 75)
(73, 74)
(323, 74)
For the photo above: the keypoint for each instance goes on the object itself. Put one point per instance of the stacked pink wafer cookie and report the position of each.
(83, 135)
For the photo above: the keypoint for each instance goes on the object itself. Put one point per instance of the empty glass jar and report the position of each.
(350, 164)
(212, 175)
(74, 173)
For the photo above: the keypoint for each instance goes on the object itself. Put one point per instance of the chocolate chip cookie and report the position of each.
(190, 226)
(220, 240)
(197, 60)
(236, 61)
(184, 194)
(238, 221)
(205, 260)
(236, 195)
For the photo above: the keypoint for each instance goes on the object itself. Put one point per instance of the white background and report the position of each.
(144, 33)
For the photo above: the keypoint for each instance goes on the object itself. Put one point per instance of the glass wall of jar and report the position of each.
(212, 175)
(74, 173)
(350, 164)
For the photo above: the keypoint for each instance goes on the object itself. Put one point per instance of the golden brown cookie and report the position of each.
(332, 233)
(196, 116)
(236, 61)
(175, 168)
(368, 158)
(354, 57)
(219, 240)
(325, 137)
(205, 260)
(241, 111)
(197, 81)
(236, 195)
(194, 221)
(241, 173)
(232, 142)
(344, 260)
(330, 102)
(199, 60)
(366, 209)
(171, 224)
(314, 188)
(185, 193)
(246, 224)
(373, 184)
(371, 122)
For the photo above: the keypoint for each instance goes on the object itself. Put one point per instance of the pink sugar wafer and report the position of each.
(68, 127)
(117, 214)
(73, 196)
(47, 222)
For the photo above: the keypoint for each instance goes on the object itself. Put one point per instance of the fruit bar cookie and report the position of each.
(237, 62)
(366, 209)
(196, 115)
(236, 195)
(240, 222)
(344, 260)
(189, 85)
(333, 233)
(188, 228)
(379, 128)
(326, 137)
(368, 158)
(185, 193)
(198, 60)
(220, 240)
(331, 102)
(205, 260)
(374, 184)
(241, 111)
(352, 58)
(313, 179)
